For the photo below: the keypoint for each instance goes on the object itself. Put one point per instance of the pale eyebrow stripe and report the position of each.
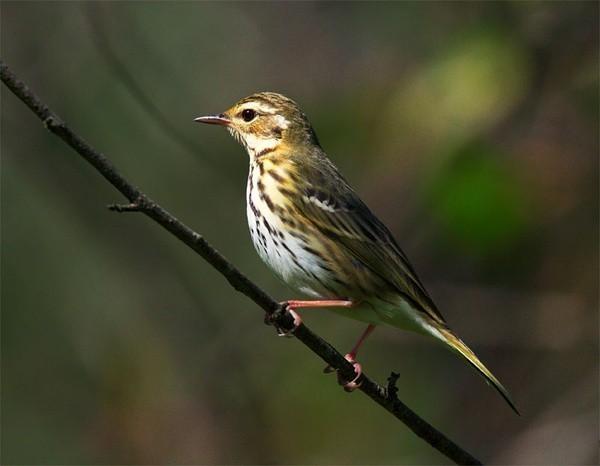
(259, 104)
(266, 108)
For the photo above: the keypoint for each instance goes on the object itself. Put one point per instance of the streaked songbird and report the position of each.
(319, 237)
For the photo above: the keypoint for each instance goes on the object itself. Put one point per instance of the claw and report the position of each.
(354, 383)
(350, 386)
(285, 333)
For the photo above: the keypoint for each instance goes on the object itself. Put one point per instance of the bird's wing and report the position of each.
(339, 213)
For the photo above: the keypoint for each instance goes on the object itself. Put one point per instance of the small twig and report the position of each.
(140, 204)
(239, 281)
(132, 207)
(391, 391)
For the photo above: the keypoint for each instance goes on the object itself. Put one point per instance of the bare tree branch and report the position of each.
(385, 397)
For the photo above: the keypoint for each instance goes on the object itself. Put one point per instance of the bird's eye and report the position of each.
(248, 114)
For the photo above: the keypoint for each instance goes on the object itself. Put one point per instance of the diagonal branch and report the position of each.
(385, 397)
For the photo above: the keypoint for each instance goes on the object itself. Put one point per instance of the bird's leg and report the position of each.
(320, 303)
(351, 358)
(354, 351)
(296, 304)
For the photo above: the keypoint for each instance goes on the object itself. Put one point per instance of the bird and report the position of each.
(312, 229)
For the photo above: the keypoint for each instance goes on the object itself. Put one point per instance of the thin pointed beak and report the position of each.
(221, 120)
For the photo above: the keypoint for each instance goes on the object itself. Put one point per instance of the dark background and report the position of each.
(470, 128)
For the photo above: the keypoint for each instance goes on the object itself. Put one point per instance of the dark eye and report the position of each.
(248, 114)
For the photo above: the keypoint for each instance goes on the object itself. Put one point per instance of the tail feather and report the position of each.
(461, 348)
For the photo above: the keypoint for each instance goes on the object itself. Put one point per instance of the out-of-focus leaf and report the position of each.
(466, 88)
(478, 201)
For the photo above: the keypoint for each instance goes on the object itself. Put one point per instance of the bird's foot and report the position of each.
(351, 356)
(353, 384)
(270, 319)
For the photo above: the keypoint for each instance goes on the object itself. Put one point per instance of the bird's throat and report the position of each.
(257, 146)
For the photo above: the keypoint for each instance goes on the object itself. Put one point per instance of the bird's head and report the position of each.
(264, 122)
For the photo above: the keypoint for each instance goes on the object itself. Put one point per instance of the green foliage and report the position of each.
(478, 201)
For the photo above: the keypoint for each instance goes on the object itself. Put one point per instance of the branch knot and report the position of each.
(391, 390)
(52, 122)
(140, 204)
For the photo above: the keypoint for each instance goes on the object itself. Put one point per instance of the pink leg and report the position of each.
(354, 351)
(351, 358)
(320, 303)
(295, 304)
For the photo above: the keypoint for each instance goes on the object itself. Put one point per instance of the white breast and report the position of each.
(282, 252)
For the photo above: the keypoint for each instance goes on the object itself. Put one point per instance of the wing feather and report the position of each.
(339, 214)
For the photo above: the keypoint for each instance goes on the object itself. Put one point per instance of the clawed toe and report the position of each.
(350, 386)
(269, 320)
(353, 384)
(297, 322)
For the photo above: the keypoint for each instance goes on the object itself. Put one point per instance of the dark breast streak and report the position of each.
(286, 243)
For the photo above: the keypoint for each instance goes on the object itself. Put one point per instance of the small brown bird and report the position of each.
(313, 230)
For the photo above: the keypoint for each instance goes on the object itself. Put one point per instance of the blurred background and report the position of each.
(471, 129)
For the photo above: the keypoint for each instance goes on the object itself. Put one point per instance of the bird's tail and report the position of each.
(459, 347)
